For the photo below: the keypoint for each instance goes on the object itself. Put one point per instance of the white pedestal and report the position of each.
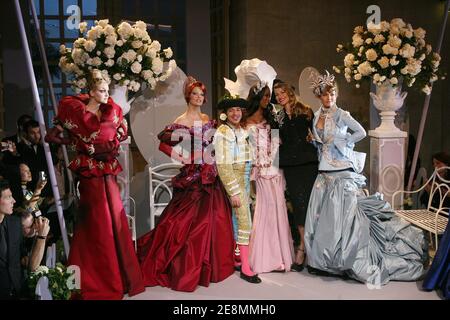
(123, 179)
(387, 162)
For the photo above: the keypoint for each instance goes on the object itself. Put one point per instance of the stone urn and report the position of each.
(388, 99)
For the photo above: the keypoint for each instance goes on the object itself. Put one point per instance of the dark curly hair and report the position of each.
(254, 98)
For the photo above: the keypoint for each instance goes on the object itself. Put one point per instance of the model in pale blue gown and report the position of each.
(348, 233)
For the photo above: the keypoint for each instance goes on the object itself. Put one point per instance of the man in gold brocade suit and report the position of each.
(233, 159)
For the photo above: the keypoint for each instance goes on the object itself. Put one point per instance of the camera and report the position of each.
(36, 213)
(28, 195)
(42, 176)
(6, 145)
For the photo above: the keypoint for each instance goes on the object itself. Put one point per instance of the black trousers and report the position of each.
(299, 183)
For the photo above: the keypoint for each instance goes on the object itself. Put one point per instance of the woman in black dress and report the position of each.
(298, 158)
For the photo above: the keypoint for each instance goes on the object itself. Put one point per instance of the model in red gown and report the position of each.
(101, 245)
(193, 242)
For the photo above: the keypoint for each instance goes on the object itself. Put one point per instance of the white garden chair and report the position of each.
(160, 188)
(432, 219)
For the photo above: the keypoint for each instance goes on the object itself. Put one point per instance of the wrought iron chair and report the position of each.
(160, 188)
(433, 218)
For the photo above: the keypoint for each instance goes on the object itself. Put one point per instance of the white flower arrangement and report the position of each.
(59, 280)
(125, 54)
(387, 52)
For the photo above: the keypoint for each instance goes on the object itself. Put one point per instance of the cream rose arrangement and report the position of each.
(125, 54)
(390, 52)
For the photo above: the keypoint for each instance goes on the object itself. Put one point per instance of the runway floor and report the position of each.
(293, 286)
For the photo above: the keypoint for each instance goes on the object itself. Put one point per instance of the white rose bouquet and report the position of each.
(58, 277)
(125, 54)
(390, 52)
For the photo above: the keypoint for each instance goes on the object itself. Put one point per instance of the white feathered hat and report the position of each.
(249, 73)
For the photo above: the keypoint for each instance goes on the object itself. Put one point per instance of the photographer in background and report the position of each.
(35, 229)
(21, 179)
(12, 251)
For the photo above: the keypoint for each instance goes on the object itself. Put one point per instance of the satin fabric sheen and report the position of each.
(193, 243)
(347, 232)
(101, 246)
(271, 245)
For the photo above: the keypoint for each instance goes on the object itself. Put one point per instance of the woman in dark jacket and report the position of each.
(298, 158)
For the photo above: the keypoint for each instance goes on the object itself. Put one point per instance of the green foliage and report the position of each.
(59, 283)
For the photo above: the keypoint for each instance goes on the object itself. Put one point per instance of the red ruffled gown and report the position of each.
(193, 242)
(102, 245)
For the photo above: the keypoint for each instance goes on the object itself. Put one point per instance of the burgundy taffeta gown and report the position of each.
(102, 245)
(193, 242)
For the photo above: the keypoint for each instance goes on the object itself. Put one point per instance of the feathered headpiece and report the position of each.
(248, 73)
(319, 82)
(259, 86)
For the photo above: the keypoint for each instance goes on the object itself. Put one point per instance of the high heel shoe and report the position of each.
(299, 266)
(251, 279)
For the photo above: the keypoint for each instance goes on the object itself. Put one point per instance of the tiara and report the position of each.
(318, 82)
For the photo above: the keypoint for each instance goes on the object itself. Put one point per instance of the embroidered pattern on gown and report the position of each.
(101, 245)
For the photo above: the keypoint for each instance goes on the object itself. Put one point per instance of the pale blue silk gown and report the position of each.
(347, 232)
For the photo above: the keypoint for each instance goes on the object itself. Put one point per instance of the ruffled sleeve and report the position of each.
(96, 141)
(70, 111)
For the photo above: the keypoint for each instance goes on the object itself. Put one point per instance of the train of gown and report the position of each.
(349, 233)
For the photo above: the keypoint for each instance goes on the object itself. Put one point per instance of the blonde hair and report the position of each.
(94, 78)
(298, 108)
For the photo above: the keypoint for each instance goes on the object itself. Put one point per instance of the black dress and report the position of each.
(298, 159)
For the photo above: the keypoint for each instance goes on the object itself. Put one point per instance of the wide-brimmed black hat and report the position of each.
(226, 104)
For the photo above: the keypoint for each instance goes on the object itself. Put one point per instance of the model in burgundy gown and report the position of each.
(101, 245)
(193, 242)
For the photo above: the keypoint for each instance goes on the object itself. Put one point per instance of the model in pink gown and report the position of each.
(271, 246)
